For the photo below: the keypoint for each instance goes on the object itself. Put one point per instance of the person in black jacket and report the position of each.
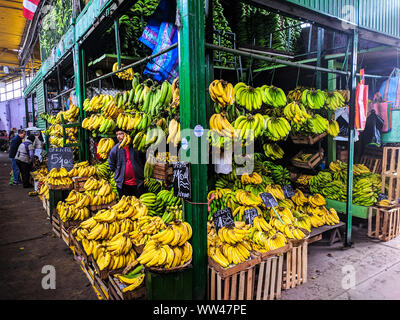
(15, 142)
(128, 166)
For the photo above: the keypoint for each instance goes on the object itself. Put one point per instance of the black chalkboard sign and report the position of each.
(181, 180)
(268, 199)
(223, 218)
(288, 191)
(60, 157)
(249, 215)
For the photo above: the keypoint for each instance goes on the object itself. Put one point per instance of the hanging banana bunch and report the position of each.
(248, 97)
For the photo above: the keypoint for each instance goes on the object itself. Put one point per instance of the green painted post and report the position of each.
(331, 87)
(26, 112)
(117, 41)
(193, 112)
(33, 109)
(320, 49)
(83, 134)
(349, 204)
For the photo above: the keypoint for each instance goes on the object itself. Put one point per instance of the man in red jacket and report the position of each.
(128, 166)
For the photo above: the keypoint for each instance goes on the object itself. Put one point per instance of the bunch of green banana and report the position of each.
(153, 185)
(157, 98)
(141, 91)
(232, 112)
(317, 182)
(274, 96)
(172, 213)
(279, 174)
(276, 128)
(363, 193)
(153, 203)
(333, 128)
(273, 151)
(248, 127)
(317, 124)
(335, 190)
(167, 198)
(295, 112)
(334, 100)
(248, 97)
(313, 99)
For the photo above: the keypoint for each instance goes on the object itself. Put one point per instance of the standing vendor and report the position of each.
(25, 160)
(127, 163)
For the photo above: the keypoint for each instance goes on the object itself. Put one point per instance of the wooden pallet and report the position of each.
(79, 182)
(391, 172)
(56, 226)
(297, 139)
(115, 291)
(383, 224)
(61, 187)
(163, 172)
(271, 253)
(295, 266)
(268, 278)
(372, 163)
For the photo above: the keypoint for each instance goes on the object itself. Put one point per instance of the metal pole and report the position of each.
(193, 112)
(331, 87)
(320, 49)
(33, 109)
(349, 204)
(117, 41)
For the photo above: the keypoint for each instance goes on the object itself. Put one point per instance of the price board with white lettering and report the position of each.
(181, 180)
(249, 215)
(268, 199)
(223, 218)
(60, 157)
(288, 191)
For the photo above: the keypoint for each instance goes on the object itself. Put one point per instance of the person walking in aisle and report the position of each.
(14, 145)
(25, 159)
(127, 163)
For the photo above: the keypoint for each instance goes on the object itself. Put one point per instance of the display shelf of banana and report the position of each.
(104, 147)
(248, 97)
(274, 96)
(58, 177)
(222, 93)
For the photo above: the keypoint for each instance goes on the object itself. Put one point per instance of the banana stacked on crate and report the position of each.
(82, 169)
(58, 177)
(74, 207)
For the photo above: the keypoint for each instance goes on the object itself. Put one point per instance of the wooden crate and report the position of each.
(163, 172)
(295, 266)
(105, 273)
(268, 278)
(391, 172)
(46, 206)
(115, 290)
(95, 208)
(61, 187)
(383, 224)
(235, 283)
(56, 226)
(310, 164)
(79, 182)
(298, 139)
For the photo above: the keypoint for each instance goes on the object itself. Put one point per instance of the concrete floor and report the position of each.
(27, 244)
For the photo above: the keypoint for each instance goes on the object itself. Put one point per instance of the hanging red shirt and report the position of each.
(129, 179)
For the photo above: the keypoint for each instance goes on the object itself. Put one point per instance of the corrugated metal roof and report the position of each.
(381, 16)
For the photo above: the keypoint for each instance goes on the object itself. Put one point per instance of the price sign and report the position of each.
(288, 191)
(268, 199)
(249, 215)
(382, 196)
(60, 157)
(181, 180)
(223, 218)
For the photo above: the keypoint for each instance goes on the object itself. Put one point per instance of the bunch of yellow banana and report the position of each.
(101, 230)
(345, 94)
(127, 74)
(104, 147)
(293, 232)
(108, 261)
(96, 103)
(71, 115)
(249, 97)
(78, 199)
(276, 191)
(138, 237)
(111, 110)
(264, 242)
(220, 124)
(299, 198)
(132, 281)
(55, 130)
(247, 198)
(382, 203)
(58, 173)
(359, 169)
(93, 122)
(174, 132)
(303, 221)
(296, 112)
(252, 178)
(155, 254)
(249, 126)
(333, 128)
(331, 217)
(58, 177)
(237, 253)
(104, 199)
(175, 234)
(127, 121)
(284, 212)
(88, 171)
(295, 94)
(238, 212)
(334, 100)
(304, 179)
(68, 212)
(317, 124)
(277, 128)
(304, 157)
(44, 191)
(273, 151)
(317, 200)
(175, 93)
(233, 235)
(150, 225)
(125, 141)
(261, 224)
(120, 244)
(316, 220)
(313, 98)
(274, 96)
(222, 92)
